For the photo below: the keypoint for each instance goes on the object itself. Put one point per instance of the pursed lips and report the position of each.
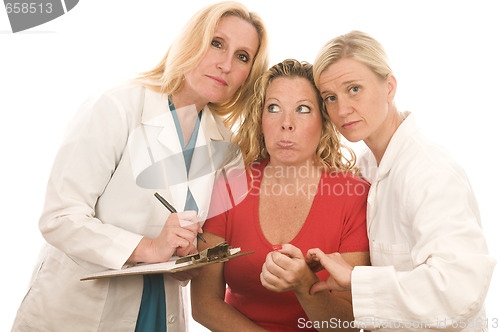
(218, 80)
(285, 144)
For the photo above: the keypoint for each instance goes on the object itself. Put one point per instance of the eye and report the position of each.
(354, 90)
(273, 108)
(215, 43)
(243, 57)
(330, 99)
(303, 109)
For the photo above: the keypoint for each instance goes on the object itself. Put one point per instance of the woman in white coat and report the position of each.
(431, 267)
(154, 134)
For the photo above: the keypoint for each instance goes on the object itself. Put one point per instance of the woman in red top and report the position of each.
(301, 194)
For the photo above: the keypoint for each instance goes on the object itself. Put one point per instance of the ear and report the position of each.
(392, 86)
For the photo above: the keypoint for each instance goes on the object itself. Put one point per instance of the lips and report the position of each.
(349, 125)
(285, 144)
(217, 80)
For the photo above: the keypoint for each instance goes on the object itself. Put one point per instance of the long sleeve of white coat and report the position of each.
(448, 269)
(84, 165)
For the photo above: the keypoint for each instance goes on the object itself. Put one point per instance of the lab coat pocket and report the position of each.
(397, 255)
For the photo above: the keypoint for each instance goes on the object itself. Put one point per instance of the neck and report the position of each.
(184, 98)
(288, 174)
(380, 139)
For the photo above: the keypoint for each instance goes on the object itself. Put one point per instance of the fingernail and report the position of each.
(277, 246)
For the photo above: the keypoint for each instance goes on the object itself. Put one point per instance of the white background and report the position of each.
(445, 55)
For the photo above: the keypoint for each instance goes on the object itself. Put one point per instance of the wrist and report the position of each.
(305, 286)
(143, 252)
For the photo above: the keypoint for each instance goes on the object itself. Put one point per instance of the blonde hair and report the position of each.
(190, 46)
(251, 139)
(357, 45)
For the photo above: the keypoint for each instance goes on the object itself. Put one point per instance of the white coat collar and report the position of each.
(156, 113)
(368, 164)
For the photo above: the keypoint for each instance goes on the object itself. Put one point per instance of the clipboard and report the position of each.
(217, 254)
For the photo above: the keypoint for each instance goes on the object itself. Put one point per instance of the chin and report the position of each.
(352, 138)
(218, 97)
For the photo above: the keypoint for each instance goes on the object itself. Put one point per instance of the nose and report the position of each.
(287, 122)
(224, 62)
(344, 107)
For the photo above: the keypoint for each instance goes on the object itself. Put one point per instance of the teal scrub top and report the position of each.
(152, 313)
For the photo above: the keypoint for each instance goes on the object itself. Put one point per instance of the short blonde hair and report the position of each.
(251, 139)
(357, 45)
(190, 46)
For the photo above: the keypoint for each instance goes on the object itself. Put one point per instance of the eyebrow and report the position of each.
(342, 85)
(298, 101)
(305, 100)
(349, 82)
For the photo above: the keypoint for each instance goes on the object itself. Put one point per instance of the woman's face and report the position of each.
(226, 64)
(291, 121)
(357, 100)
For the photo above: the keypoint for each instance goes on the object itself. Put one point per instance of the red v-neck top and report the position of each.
(336, 223)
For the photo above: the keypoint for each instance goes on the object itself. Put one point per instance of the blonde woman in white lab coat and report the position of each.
(100, 211)
(431, 267)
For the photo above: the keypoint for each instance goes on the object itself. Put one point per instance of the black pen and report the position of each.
(173, 210)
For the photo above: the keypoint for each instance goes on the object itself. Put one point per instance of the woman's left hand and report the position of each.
(286, 269)
(185, 275)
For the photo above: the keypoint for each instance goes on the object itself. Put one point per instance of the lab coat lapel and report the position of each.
(165, 147)
(156, 113)
(201, 175)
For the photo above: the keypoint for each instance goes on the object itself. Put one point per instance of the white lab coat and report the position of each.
(431, 266)
(95, 214)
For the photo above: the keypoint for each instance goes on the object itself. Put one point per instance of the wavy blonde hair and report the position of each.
(329, 153)
(190, 46)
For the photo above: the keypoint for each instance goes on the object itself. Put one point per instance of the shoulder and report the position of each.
(422, 158)
(344, 184)
(124, 92)
(426, 172)
(344, 178)
(122, 99)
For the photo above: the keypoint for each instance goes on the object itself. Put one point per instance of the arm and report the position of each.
(451, 265)
(287, 269)
(85, 164)
(207, 297)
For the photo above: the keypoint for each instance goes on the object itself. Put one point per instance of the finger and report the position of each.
(180, 276)
(172, 220)
(186, 275)
(188, 218)
(280, 260)
(179, 243)
(315, 266)
(292, 251)
(314, 254)
(185, 233)
(271, 266)
(268, 280)
(184, 251)
(193, 227)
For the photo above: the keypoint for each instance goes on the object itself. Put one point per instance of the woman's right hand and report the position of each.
(178, 234)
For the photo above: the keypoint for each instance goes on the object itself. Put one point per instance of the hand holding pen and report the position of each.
(173, 210)
(177, 235)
